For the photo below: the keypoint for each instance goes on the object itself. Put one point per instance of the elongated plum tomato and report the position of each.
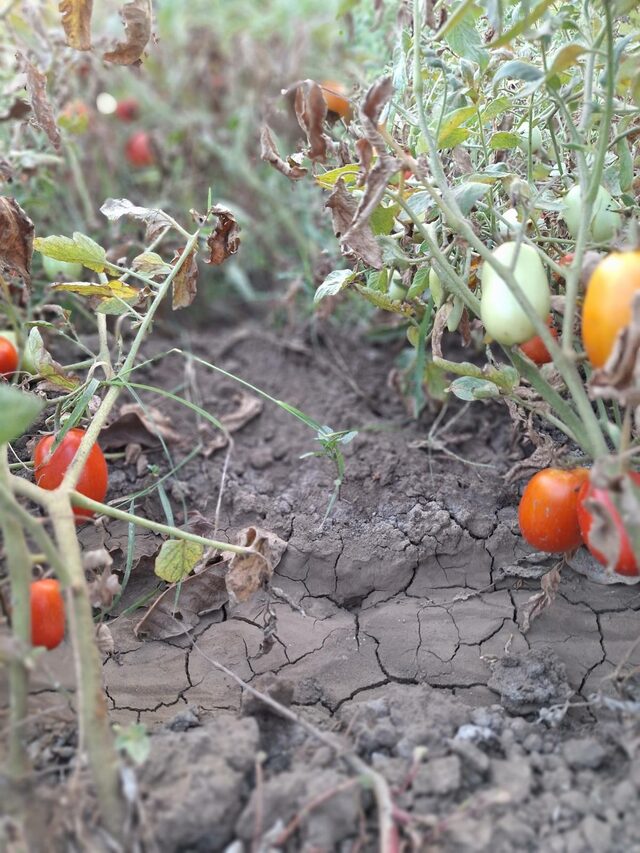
(503, 318)
(627, 563)
(605, 218)
(8, 358)
(139, 151)
(607, 305)
(334, 96)
(47, 613)
(50, 468)
(535, 348)
(548, 511)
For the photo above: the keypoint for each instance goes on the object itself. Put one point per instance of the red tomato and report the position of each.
(8, 358)
(50, 469)
(535, 349)
(627, 563)
(139, 151)
(128, 109)
(47, 613)
(334, 96)
(548, 512)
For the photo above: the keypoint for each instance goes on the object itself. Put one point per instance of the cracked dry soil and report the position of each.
(409, 642)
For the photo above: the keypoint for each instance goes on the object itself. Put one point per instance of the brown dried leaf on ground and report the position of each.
(269, 153)
(185, 284)
(224, 241)
(137, 425)
(248, 573)
(16, 242)
(200, 593)
(37, 91)
(619, 379)
(76, 21)
(311, 111)
(247, 407)
(539, 602)
(136, 16)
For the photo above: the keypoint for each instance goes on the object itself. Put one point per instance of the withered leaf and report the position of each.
(269, 153)
(185, 284)
(247, 408)
(137, 425)
(224, 241)
(76, 21)
(136, 16)
(376, 99)
(155, 219)
(439, 326)
(619, 379)
(104, 639)
(357, 238)
(202, 593)
(539, 602)
(37, 90)
(248, 573)
(365, 156)
(177, 559)
(18, 109)
(16, 242)
(311, 111)
(52, 373)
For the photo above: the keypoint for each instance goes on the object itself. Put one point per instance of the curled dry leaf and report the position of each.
(19, 109)
(76, 22)
(137, 425)
(311, 111)
(247, 407)
(361, 242)
(364, 150)
(248, 573)
(37, 91)
(104, 640)
(439, 326)
(99, 558)
(103, 589)
(619, 379)
(269, 153)
(155, 220)
(201, 593)
(224, 241)
(136, 16)
(539, 602)
(16, 243)
(185, 284)
(53, 374)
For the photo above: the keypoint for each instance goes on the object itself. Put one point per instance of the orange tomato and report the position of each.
(607, 305)
(535, 348)
(47, 613)
(548, 511)
(8, 358)
(334, 96)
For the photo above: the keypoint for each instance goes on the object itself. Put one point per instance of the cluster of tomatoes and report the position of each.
(553, 513)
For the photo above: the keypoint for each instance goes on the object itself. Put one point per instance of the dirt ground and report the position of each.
(396, 624)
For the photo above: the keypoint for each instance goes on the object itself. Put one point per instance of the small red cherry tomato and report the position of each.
(139, 151)
(47, 613)
(50, 468)
(535, 348)
(128, 109)
(548, 512)
(8, 358)
(627, 563)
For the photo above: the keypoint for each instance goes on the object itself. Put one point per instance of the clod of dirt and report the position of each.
(530, 680)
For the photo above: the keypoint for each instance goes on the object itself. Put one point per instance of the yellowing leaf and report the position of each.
(81, 249)
(566, 57)
(76, 20)
(177, 559)
(113, 288)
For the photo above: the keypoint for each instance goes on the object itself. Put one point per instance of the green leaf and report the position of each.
(177, 559)
(453, 120)
(348, 173)
(19, 410)
(503, 140)
(566, 57)
(334, 283)
(79, 250)
(419, 284)
(420, 202)
(465, 40)
(625, 161)
(382, 219)
(516, 69)
(524, 24)
(381, 300)
(456, 137)
(495, 108)
(468, 193)
(469, 388)
(456, 17)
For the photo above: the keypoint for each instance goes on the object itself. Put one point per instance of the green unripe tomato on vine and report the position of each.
(605, 219)
(56, 270)
(501, 314)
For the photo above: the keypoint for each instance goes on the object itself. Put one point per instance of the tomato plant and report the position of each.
(47, 613)
(139, 150)
(607, 305)
(8, 358)
(50, 468)
(627, 563)
(548, 512)
(128, 109)
(536, 349)
(334, 96)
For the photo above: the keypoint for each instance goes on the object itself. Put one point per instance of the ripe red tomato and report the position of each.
(128, 109)
(334, 96)
(607, 305)
(627, 563)
(8, 358)
(535, 349)
(47, 613)
(548, 513)
(50, 469)
(139, 151)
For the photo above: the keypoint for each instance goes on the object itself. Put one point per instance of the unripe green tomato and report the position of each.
(435, 286)
(397, 292)
(56, 270)
(604, 221)
(503, 318)
(536, 137)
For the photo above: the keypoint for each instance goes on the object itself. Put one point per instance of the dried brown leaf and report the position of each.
(439, 326)
(37, 91)
(103, 589)
(137, 425)
(136, 16)
(76, 21)
(619, 379)
(311, 111)
(362, 241)
(225, 239)
(185, 284)
(104, 640)
(247, 407)
(376, 99)
(539, 602)
(365, 156)
(269, 153)
(16, 242)
(155, 219)
(19, 109)
(248, 573)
